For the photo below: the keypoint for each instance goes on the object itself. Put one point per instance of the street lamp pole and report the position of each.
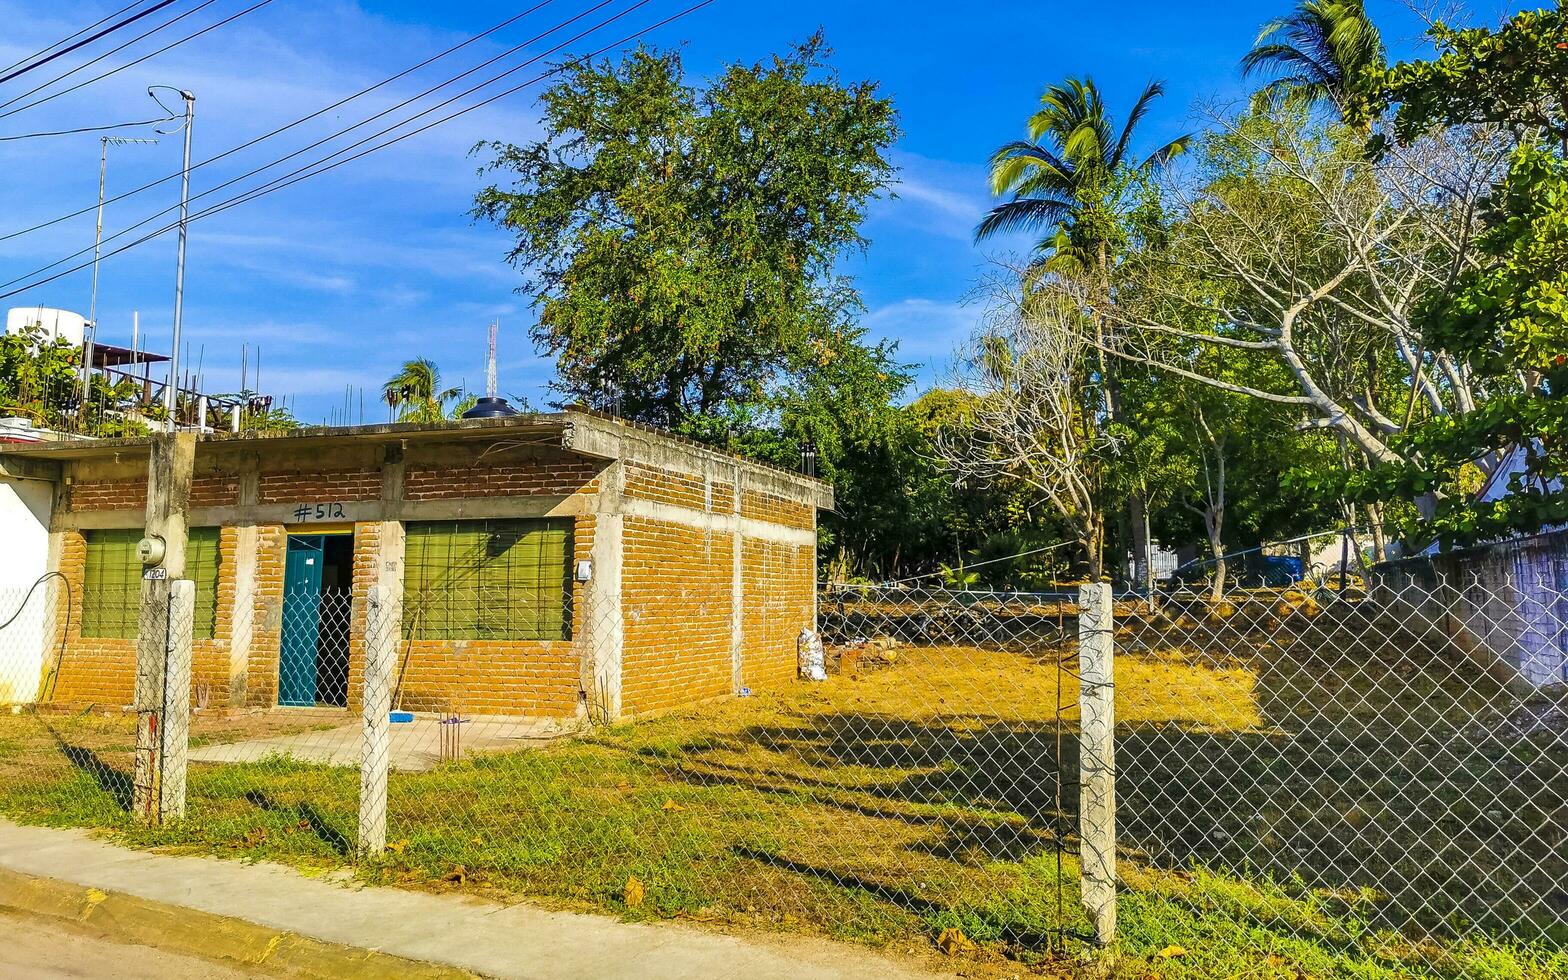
(91, 333)
(170, 402)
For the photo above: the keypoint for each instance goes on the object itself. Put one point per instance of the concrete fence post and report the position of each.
(177, 692)
(163, 638)
(1097, 758)
(375, 758)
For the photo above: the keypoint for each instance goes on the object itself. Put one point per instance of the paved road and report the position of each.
(40, 949)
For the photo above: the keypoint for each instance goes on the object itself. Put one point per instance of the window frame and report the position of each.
(501, 580)
(110, 565)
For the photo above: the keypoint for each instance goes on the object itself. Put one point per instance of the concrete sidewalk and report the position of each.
(464, 933)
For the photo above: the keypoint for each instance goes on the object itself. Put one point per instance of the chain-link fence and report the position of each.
(1361, 780)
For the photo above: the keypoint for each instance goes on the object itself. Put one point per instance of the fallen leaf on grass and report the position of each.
(1171, 953)
(952, 941)
(633, 892)
(671, 806)
(623, 786)
(255, 836)
(398, 846)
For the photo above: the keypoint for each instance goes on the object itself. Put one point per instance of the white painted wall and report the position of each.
(24, 557)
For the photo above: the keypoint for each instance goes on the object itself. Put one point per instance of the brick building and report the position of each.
(551, 566)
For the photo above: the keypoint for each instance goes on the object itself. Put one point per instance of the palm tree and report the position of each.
(1070, 179)
(1320, 52)
(415, 392)
(1067, 179)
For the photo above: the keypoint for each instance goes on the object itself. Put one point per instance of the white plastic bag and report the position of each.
(813, 661)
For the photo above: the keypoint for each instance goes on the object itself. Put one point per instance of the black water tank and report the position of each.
(490, 408)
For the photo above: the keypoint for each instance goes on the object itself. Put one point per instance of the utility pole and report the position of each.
(169, 393)
(91, 334)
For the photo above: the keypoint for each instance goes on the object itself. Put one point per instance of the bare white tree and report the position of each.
(1291, 242)
(1038, 415)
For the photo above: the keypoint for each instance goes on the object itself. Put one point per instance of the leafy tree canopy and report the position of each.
(681, 242)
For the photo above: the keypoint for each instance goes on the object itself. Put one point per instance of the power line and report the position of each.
(67, 74)
(296, 176)
(300, 121)
(88, 40)
(327, 139)
(86, 129)
(129, 64)
(71, 37)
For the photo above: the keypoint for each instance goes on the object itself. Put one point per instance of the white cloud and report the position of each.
(928, 331)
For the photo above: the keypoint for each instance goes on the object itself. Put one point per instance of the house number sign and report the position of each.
(331, 511)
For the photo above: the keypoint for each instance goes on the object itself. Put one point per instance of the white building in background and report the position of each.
(63, 324)
(25, 508)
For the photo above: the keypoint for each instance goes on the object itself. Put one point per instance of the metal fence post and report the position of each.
(1097, 758)
(375, 755)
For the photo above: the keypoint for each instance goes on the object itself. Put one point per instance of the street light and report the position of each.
(179, 271)
(92, 309)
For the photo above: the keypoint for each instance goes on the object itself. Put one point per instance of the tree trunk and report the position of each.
(1214, 523)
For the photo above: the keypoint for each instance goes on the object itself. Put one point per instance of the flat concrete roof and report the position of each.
(577, 431)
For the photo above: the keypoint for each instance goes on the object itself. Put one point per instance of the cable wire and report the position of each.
(113, 50)
(212, 190)
(71, 37)
(129, 64)
(281, 129)
(86, 41)
(86, 129)
(301, 174)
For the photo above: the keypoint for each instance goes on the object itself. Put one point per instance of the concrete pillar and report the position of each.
(605, 627)
(177, 707)
(163, 641)
(375, 758)
(737, 591)
(240, 618)
(1097, 758)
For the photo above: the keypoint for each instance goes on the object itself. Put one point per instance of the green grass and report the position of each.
(882, 810)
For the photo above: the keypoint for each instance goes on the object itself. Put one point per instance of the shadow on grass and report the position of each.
(1350, 783)
(119, 785)
(308, 815)
(1038, 936)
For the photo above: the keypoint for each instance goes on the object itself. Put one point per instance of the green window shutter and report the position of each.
(111, 587)
(201, 567)
(488, 580)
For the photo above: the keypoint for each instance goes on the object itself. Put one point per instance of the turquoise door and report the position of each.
(301, 621)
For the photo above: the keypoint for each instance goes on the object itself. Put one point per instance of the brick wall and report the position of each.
(779, 587)
(217, 490)
(294, 486)
(677, 489)
(552, 477)
(677, 602)
(773, 509)
(113, 495)
(266, 617)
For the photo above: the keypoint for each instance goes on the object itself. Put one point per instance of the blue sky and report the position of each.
(341, 278)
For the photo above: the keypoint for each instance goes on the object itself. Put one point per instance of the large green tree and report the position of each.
(681, 241)
(1505, 316)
